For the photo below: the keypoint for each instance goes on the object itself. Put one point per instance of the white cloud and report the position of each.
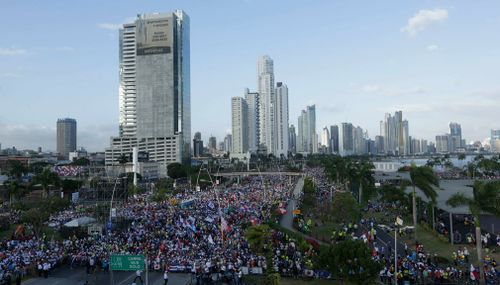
(65, 48)
(423, 19)
(391, 91)
(371, 88)
(432, 48)
(110, 27)
(9, 74)
(12, 51)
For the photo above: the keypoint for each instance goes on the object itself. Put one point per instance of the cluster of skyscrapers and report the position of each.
(259, 120)
(154, 92)
(451, 142)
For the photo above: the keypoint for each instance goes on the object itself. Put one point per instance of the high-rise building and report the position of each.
(281, 120)
(379, 144)
(239, 123)
(292, 139)
(212, 143)
(66, 136)
(228, 143)
(405, 134)
(197, 145)
(455, 136)
(252, 99)
(334, 134)
(267, 110)
(443, 143)
(154, 93)
(346, 139)
(396, 134)
(359, 140)
(307, 138)
(325, 137)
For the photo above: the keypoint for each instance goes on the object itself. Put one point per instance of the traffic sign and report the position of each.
(127, 262)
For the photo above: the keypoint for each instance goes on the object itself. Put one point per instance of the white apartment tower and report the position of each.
(252, 99)
(239, 123)
(282, 119)
(154, 92)
(267, 109)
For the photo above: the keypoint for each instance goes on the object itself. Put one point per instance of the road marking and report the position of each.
(124, 280)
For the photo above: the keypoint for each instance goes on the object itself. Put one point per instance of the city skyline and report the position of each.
(424, 62)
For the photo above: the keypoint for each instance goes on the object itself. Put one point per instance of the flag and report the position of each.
(210, 239)
(472, 277)
(223, 224)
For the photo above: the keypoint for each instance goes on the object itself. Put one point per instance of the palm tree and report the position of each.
(47, 178)
(484, 199)
(424, 178)
(363, 176)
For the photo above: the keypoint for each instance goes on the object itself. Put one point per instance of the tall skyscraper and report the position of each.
(443, 143)
(359, 141)
(346, 139)
(267, 109)
(307, 138)
(197, 145)
(252, 99)
(281, 120)
(212, 143)
(228, 143)
(154, 93)
(334, 133)
(292, 139)
(455, 136)
(66, 136)
(239, 123)
(405, 134)
(396, 137)
(325, 138)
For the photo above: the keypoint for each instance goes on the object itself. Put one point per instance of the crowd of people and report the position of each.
(201, 232)
(414, 265)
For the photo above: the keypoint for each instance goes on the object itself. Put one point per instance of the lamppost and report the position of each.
(398, 223)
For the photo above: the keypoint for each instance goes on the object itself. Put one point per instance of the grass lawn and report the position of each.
(433, 244)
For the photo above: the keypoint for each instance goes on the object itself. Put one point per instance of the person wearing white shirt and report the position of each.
(165, 277)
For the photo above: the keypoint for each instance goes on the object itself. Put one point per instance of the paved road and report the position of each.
(287, 219)
(66, 276)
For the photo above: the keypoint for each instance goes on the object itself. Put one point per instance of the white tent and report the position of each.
(83, 221)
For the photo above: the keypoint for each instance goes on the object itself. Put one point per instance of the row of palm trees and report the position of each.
(43, 177)
(485, 198)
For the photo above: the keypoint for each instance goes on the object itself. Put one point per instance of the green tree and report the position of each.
(349, 260)
(345, 208)
(14, 189)
(392, 194)
(82, 161)
(484, 199)
(47, 178)
(461, 156)
(176, 170)
(16, 170)
(36, 218)
(363, 177)
(257, 237)
(424, 178)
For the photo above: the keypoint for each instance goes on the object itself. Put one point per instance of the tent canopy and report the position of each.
(83, 221)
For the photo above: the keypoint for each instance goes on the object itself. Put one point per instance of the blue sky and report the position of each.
(438, 61)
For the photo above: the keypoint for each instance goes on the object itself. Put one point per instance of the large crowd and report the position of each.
(201, 232)
(414, 265)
